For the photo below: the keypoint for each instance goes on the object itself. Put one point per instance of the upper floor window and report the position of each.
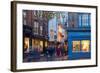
(76, 19)
(41, 13)
(38, 13)
(72, 19)
(36, 26)
(85, 20)
(24, 14)
(24, 21)
(41, 30)
(24, 17)
(34, 13)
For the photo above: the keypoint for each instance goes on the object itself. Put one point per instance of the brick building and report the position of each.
(35, 31)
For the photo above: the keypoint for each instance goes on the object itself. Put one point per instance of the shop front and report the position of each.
(33, 43)
(79, 45)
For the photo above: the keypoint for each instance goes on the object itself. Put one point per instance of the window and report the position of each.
(33, 44)
(41, 30)
(24, 14)
(34, 13)
(41, 46)
(81, 46)
(85, 45)
(85, 20)
(24, 21)
(24, 17)
(41, 43)
(36, 26)
(72, 19)
(38, 13)
(46, 44)
(37, 44)
(76, 46)
(78, 19)
(41, 13)
(26, 45)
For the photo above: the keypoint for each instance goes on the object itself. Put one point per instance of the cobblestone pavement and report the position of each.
(46, 58)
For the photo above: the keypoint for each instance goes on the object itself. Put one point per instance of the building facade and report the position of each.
(79, 35)
(35, 31)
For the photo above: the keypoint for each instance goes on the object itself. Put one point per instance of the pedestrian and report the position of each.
(66, 49)
(58, 51)
(62, 50)
(51, 51)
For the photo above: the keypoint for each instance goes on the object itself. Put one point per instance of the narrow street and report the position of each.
(46, 58)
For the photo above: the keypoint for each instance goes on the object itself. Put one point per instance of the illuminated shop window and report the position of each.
(81, 46)
(41, 46)
(26, 44)
(41, 43)
(76, 46)
(46, 44)
(85, 45)
(37, 44)
(33, 44)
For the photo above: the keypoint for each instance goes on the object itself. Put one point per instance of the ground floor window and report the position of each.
(81, 45)
(85, 45)
(32, 44)
(41, 46)
(26, 44)
(76, 46)
(46, 44)
(37, 44)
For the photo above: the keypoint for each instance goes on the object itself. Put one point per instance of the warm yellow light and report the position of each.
(85, 45)
(27, 42)
(41, 43)
(45, 44)
(76, 46)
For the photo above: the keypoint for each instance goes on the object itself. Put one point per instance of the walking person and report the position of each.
(58, 51)
(62, 50)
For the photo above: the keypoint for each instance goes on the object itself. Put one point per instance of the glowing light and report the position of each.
(85, 45)
(27, 42)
